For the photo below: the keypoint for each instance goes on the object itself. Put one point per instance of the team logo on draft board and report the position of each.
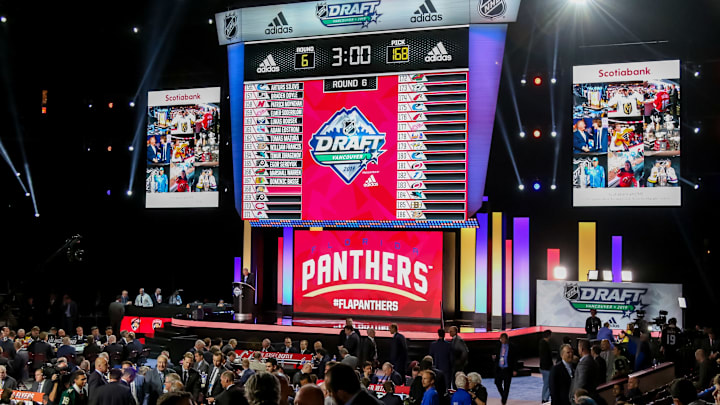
(135, 324)
(157, 323)
(360, 13)
(492, 9)
(347, 143)
(231, 27)
(618, 300)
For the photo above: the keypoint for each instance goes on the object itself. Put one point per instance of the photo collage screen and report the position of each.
(626, 134)
(183, 148)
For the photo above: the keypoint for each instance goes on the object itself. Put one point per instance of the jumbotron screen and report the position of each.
(364, 127)
(626, 134)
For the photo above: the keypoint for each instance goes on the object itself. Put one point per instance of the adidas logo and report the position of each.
(268, 65)
(612, 321)
(438, 54)
(279, 25)
(426, 12)
(371, 182)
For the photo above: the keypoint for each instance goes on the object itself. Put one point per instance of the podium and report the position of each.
(243, 301)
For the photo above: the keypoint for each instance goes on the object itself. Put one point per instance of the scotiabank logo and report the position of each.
(372, 270)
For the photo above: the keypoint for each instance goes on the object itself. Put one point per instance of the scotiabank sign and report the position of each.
(380, 273)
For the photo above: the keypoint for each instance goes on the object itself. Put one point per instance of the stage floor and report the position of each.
(415, 331)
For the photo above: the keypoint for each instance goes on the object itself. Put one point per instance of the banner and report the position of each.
(26, 396)
(568, 303)
(142, 324)
(389, 274)
(316, 18)
(296, 360)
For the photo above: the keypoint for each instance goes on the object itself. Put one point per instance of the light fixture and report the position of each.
(131, 148)
(89, 105)
(696, 74)
(37, 215)
(553, 134)
(522, 134)
(523, 81)
(696, 130)
(27, 194)
(537, 133)
(136, 30)
(17, 174)
(536, 186)
(553, 80)
(593, 275)
(521, 187)
(109, 148)
(537, 80)
(111, 105)
(129, 192)
(132, 104)
(210, 21)
(626, 276)
(560, 273)
(607, 275)
(3, 19)
(696, 186)
(553, 187)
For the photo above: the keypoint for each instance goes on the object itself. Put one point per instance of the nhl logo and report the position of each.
(321, 10)
(572, 292)
(492, 9)
(230, 25)
(349, 127)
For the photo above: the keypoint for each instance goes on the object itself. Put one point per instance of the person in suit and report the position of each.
(505, 363)
(369, 350)
(115, 392)
(41, 350)
(230, 394)
(546, 363)
(343, 336)
(213, 386)
(247, 277)
(137, 385)
(248, 372)
(321, 359)
(582, 139)
(347, 358)
(586, 371)
(157, 298)
(41, 384)
(125, 298)
(230, 346)
(561, 377)
(706, 369)
(153, 151)
(116, 351)
(441, 352)
(7, 382)
(200, 365)
(165, 150)
(390, 398)
(601, 365)
(352, 340)
(155, 380)
(97, 379)
(342, 385)
(67, 350)
(460, 350)
(710, 344)
(189, 376)
(289, 348)
(389, 374)
(304, 349)
(398, 349)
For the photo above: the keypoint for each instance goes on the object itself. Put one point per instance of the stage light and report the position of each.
(696, 130)
(537, 80)
(89, 105)
(522, 134)
(537, 133)
(536, 186)
(27, 194)
(210, 21)
(17, 174)
(523, 81)
(136, 30)
(132, 104)
(129, 192)
(607, 275)
(131, 148)
(696, 186)
(109, 148)
(626, 276)
(553, 134)
(37, 215)
(593, 275)
(553, 80)
(111, 105)
(553, 187)
(88, 149)
(697, 73)
(560, 273)
(3, 19)
(107, 192)
(521, 187)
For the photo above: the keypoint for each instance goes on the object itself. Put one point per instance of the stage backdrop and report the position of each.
(389, 274)
(568, 303)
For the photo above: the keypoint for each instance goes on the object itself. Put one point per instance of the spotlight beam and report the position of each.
(508, 77)
(32, 191)
(5, 156)
(501, 123)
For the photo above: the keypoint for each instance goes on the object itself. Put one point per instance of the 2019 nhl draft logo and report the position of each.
(618, 300)
(231, 26)
(347, 143)
(360, 13)
(492, 9)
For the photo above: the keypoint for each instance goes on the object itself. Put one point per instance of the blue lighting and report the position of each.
(536, 186)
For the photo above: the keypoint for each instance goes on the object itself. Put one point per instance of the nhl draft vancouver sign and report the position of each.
(347, 143)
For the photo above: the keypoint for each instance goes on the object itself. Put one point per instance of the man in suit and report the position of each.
(213, 386)
(289, 348)
(134, 347)
(390, 398)
(546, 363)
(152, 151)
(70, 313)
(155, 380)
(125, 298)
(41, 384)
(586, 371)
(143, 299)
(459, 349)
(369, 348)
(304, 347)
(441, 352)
(706, 369)
(116, 312)
(230, 346)
(97, 379)
(347, 358)
(42, 350)
(157, 299)
(321, 359)
(79, 335)
(230, 394)
(7, 382)
(389, 374)
(115, 392)
(561, 377)
(116, 351)
(582, 138)
(711, 345)
(165, 150)
(343, 386)
(505, 363)
(352, 340)
(67, 350)
(190, 377)
(248, 372)
(398, 349)
(247, 277)
(201, 366)
(137, 385)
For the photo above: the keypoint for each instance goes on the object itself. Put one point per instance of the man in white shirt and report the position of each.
(143, 299)
(627, 104)
(181, 124)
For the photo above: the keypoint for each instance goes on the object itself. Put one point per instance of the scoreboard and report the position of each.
(363, 127)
